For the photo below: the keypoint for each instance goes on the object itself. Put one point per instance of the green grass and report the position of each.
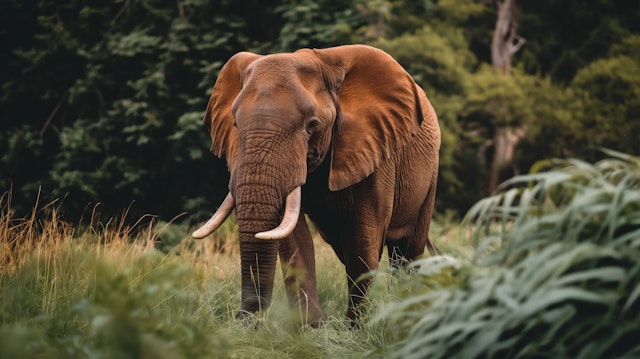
(113, 291)
(548, 267)
(556, 272)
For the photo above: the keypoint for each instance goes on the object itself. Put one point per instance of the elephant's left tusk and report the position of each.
(217, 219)
(289, 220)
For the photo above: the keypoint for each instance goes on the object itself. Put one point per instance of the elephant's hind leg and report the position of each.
(421, 238)
(410, 247)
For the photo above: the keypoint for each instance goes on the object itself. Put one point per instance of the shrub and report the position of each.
(555, 274)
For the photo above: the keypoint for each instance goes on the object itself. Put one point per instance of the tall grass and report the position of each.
(556, 272)
(107, 291)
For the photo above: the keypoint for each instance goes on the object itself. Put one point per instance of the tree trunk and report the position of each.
(504, 45)
(505, 140)
(506, 42)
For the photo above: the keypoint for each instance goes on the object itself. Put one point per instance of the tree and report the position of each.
(563, 36)
(102, 102)
(610, 91)
(506, 42)
(318, 24)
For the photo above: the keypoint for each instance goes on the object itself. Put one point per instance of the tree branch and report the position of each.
(517, 45)
(506, 42)
(120, 12)
(52, 115)
(180, 9)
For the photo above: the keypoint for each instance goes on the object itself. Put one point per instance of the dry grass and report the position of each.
(105, 290)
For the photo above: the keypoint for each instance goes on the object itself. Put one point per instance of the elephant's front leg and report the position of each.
(297, 257)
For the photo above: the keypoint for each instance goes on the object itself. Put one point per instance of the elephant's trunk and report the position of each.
(258, 262)
(289, 219)
(258, 259)
(257, 211)
(260, 188)
(288, 224)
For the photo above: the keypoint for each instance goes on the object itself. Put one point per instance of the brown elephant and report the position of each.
(342, 134)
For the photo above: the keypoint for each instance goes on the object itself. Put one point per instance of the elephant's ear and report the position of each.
(218, 117)
(378, 111)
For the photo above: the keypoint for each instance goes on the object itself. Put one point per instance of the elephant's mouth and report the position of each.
(287, 225)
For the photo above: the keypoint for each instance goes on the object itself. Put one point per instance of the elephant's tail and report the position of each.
(432, 247)
(428, 209)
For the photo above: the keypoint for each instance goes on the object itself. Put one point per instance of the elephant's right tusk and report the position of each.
(217, 219)
(289, 219)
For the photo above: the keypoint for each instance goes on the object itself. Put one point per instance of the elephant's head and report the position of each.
(276, 118)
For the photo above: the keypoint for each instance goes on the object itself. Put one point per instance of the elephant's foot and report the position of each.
(248, 319)
(303, 317)
(314, 318)
(305, 308)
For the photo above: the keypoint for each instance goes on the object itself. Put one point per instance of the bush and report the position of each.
(555, 274)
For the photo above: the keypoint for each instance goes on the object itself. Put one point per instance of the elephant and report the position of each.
(341, 134)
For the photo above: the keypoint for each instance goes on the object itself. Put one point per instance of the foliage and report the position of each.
(498, 100)
(612, 100)
(102, 102)
(565, 36)
(600, 108)
(316, 24)
(437, 58)
(120, 89)
(555, 272)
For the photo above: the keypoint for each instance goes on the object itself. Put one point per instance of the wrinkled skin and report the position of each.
(351, 127)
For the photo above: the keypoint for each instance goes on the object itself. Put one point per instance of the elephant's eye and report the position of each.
(312, 124)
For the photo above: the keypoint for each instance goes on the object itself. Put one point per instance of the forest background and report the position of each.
(101, 101)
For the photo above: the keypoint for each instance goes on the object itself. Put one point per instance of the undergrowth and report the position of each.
(555, 275)
(117, 291)
(547, 267)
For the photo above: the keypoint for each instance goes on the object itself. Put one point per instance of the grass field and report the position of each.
(107, 291)
(548, 267)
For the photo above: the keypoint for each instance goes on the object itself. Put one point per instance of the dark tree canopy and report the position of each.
(102, 101)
